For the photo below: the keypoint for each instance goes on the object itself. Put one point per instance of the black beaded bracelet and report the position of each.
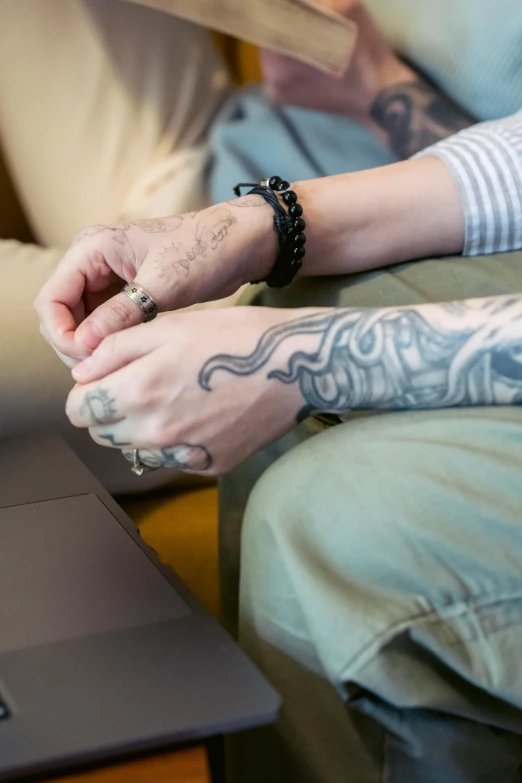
(289, 226)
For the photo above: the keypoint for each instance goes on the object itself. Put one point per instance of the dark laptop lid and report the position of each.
(102, 650)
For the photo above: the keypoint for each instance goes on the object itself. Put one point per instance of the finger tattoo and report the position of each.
(100, 407)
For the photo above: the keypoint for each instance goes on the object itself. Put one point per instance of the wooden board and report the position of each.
(299, 28)
(184, 766)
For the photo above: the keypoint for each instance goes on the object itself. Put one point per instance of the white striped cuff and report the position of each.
(486, 163)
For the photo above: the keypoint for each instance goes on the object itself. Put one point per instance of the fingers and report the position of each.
(80, 305)
(117, 436)
(84, 271)
(117, 351)
(120, 394)
(120, 312)
(55, 305)
(98, 258)
(187, 457)
(91, 406)
(118, 415)
(184, 456)
(71, 363)
(115, 315)
(171, 265)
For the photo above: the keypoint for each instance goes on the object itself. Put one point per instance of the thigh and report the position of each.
(391, 523)
(384, 556)
(104, 110)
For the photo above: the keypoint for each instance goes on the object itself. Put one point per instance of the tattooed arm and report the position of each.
(202, 391)
(462, 195)
(428, 356)
(399, 106)
(414, 114)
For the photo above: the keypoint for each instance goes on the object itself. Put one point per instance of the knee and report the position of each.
(344, 502)
(271, 615)
(276, 508)
(308, 550)
(318, 492)
(330, 546)
(306, 521)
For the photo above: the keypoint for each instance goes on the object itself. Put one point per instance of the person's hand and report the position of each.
(402, 109)
(194, 390)
(373, 68)
(178, 260)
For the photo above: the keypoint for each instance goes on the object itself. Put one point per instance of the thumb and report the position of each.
(118, 313)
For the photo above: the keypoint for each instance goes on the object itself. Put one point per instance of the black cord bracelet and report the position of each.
(289, 226)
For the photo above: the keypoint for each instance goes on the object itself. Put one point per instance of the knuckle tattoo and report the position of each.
(99, 407)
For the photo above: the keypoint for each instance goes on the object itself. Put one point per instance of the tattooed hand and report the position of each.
(202, 391)
(178, 260)
(373, 66)
(378, 90)
(141, 388)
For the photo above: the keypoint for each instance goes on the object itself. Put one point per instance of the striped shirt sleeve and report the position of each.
(486, 163)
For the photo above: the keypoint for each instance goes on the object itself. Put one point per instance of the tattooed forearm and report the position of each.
(429, 356)
(211, 230)
(184, 456)
(415, 115)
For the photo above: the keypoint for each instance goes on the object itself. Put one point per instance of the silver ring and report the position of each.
(139, 296)
(138, 467)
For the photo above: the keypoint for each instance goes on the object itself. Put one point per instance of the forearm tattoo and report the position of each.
(398, 359)
(416, 115)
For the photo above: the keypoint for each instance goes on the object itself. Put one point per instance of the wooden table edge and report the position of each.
(186, 765)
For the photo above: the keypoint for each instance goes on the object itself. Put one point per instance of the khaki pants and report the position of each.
(104, 114)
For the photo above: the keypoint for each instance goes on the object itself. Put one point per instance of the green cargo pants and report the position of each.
(381, 573)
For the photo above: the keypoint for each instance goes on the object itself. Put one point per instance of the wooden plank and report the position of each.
(183, 766)
(298, 28)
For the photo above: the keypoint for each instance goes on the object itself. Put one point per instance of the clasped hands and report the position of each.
(201, 390)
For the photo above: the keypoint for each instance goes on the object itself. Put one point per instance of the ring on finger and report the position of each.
(143, 299)
(139, 467)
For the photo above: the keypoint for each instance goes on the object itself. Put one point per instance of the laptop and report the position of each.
(103, 650)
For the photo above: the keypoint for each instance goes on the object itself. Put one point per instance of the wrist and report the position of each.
(259, 239)
(384, 76)
(409, 113)
(331, 212)
(288, 225)
(370, 219)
